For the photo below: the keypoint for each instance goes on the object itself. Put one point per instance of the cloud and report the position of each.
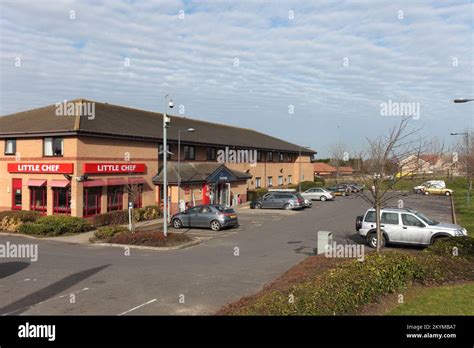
(244, 63)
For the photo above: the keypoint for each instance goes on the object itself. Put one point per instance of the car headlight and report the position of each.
(458, 233)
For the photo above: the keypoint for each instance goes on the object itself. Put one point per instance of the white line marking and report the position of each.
(132, 309)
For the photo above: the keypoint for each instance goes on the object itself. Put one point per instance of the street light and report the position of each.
(462, 100)
(466, 135)
(299, 184)
(166, 123)
(190, 130)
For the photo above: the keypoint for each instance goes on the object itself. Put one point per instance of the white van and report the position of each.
(437, 183)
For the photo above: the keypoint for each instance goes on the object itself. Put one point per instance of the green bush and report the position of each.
(320, 181)
(156, 239)
(253, 195)
(306, 185)
(55, 225)
(105, 233)
(120, 217)
(11, 220)
(453, 247)
(344, 289)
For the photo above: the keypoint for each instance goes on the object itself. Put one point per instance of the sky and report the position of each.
(314, 73)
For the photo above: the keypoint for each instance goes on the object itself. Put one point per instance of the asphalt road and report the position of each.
(82, 279)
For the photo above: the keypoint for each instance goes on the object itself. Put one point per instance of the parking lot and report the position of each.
(227, 265)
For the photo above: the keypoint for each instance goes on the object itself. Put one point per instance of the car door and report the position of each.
(390, 223)
(267, 201)
(193, 216)
(204, 217)
(414, 230)
(316, 194)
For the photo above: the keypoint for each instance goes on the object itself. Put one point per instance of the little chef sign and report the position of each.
(107, 168)
(61, 168)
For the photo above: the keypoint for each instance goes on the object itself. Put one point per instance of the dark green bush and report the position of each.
(320, 181)
(305, 185)
(56, 225)
(150, 239)
(253, 195)
(21, 215)
(106, 232)
(120, 217)
(453, 247)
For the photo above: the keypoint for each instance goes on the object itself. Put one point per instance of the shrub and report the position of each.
(453, 247)
(150, 239)
(56, 225)
(105, 233)
(11, 220)
(120, 217)
(305, 185)
(320, 181)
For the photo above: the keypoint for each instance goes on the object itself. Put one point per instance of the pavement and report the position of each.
(81, 279)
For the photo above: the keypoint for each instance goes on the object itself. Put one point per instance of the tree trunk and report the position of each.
(377, 224)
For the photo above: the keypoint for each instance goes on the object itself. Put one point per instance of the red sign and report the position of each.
(51, 168)
(108, 168)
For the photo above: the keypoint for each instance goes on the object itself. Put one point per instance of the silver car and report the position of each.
(405, 226)
(317, 193)
(211, 216)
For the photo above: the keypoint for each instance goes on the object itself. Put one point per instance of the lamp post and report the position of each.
(166, 122)
(466, 138)
(299, 181)
(190, 130)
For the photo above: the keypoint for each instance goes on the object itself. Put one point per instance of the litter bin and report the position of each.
(324, 241)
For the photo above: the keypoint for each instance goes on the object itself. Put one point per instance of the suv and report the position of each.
(405, 226)
(279, 200)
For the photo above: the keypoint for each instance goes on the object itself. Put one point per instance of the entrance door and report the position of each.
(16, 194)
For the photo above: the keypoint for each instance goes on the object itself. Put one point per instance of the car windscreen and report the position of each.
(223, 209)
(370, 216)
(427, 219)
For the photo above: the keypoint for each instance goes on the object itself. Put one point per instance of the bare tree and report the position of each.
(339, 154)
(382, 167)
(133, 191)
(465, 148)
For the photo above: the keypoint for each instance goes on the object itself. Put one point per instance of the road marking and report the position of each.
(49, 299)
(132, 309)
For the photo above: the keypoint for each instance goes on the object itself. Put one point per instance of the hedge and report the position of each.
(453, 247)
(156, 239)
(120, 217)
(55, 225)
(105, 233)
(306, 185)
(12, 219)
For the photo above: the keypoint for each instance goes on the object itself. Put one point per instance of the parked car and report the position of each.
(437, 189)
(210, 216)
(421, 187)
(317, 193)
(340, 190)
(279, 200)
(404, 226)
(307, 203)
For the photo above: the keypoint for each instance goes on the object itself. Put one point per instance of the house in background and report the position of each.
(430, 164)
(326, 170)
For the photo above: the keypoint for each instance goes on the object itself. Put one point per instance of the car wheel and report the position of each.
(418, 191)
(372, 240)
(343, 194)
(427, 193)
(323, 198)
(215, 225)
(437, 239)
(447, 193)
(258, 206)
(177, 223)
(287, 206)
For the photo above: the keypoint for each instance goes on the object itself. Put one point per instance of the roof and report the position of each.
(120, 121)
(196, 172)
(323, 167)
(346, 169)
(431, 159)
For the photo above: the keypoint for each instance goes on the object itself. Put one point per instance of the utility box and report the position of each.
(324, 241)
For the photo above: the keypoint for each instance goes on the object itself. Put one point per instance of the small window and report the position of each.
(389, 218)
(53, 147)
(10, 146)
(211, 153)
(410, 220)
(290, 179)
(270, 181)
(189, 152)
(290, 157)
(259, 156)
(258, 182)
(280, 181)
(270, 156)
(281, 157)
(370, 216)
(194, 210)
(160, 149)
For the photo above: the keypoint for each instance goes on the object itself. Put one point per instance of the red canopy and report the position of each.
(36, 182)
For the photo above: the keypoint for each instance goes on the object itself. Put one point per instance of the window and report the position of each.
(290, 179)
(410, 220)
(389, 218)
(136, 192)
(280, 180)
(62, 200)
(259, 156)
(270, 156)
(53, 147)
(10, 146)
(38, 199)
(370, 217)
(281, 157)
(160, 149)
(258, 182)
(189, 152)
(114, 198)
(290, 157)
(91, 199)
(270, 181)
(211, 153)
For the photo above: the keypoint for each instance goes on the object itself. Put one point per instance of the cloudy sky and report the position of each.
(311, 72)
